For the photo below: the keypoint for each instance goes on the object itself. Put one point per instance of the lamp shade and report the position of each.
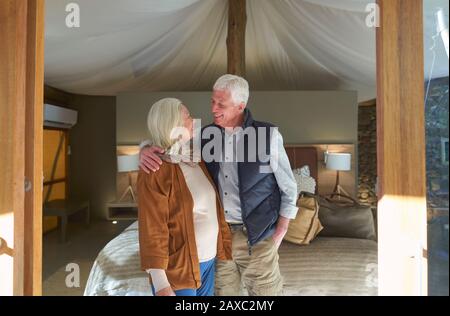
(339, 161)
(128, 163)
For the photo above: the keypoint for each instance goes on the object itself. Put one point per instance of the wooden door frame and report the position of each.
(401, 134)
(402, 222)
(21, 98)
(34, 147)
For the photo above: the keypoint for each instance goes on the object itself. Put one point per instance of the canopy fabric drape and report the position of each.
(180, 45)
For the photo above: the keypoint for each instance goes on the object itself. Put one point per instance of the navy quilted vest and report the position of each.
(259, 192)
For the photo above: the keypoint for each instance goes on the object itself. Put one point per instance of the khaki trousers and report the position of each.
(259, 272)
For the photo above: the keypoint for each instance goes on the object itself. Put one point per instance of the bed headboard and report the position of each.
(300, 156)
(313, 154)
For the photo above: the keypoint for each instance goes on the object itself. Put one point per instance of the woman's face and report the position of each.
(188, 121)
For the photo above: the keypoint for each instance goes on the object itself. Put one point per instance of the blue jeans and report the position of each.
(207, 275)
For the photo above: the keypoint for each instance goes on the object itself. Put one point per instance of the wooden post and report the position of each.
(402, 221)
(21, 83)
(237, 21)
(34, 147)
(13, 22)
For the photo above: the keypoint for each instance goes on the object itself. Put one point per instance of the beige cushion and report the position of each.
(305, 227)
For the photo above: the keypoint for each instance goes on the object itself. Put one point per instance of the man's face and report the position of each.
(225, 112)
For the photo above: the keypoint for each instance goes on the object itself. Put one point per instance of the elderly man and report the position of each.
(259, 195)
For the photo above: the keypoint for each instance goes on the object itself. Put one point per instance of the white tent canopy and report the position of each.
(180, 45)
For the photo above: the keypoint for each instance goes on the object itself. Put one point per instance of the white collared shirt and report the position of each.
(229, 179)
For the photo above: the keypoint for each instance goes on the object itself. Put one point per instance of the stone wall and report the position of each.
(367, 150)
(437, 129)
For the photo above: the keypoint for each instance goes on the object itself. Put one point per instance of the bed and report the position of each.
(329, 266)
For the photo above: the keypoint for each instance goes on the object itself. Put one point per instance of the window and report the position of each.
(436, 116)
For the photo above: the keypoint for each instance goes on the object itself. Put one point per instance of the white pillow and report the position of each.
(305, 183)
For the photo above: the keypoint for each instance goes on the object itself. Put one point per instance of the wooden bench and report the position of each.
(63, 209)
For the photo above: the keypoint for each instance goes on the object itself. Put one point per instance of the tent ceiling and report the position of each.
(179, 45)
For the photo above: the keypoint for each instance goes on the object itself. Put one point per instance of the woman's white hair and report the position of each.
(237, 86)
(163, 117)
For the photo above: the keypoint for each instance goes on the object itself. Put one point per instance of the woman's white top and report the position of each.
(206, 225)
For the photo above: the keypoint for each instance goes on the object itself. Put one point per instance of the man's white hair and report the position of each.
(237, 86)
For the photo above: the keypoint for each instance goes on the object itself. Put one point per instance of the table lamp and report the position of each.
(128, 163)
(339, 162)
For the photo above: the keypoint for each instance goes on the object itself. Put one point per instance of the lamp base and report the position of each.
(339, 191)
(129, 189)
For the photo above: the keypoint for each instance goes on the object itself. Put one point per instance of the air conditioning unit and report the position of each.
(56, 116)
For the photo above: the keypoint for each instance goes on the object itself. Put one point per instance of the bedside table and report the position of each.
(122, 211)
(63, 209)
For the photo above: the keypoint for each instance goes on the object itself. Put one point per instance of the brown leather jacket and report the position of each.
(166, 226)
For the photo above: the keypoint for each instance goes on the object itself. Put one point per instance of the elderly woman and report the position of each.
(182, 229)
